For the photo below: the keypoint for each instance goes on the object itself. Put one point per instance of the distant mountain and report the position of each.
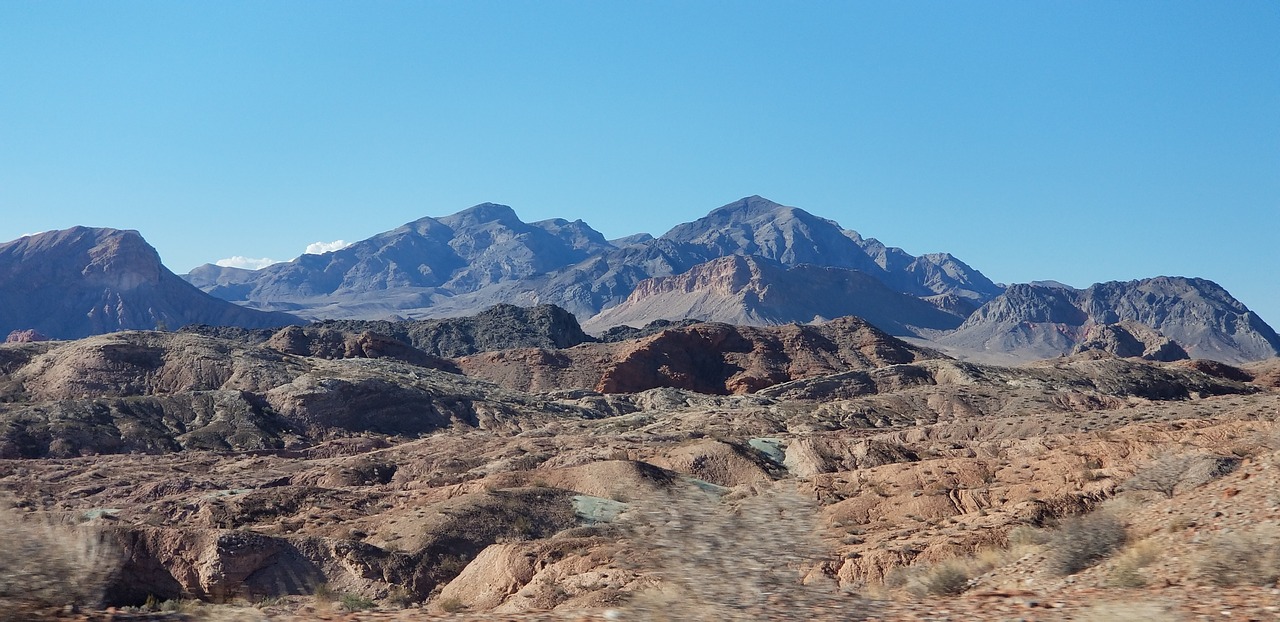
(751, 290)
(85, 281)
(792, 237)
(1032, 322)
(413, 267)
(460, 264)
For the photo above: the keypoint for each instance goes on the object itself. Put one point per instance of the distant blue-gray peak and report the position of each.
(1036, 321)
(85, 281)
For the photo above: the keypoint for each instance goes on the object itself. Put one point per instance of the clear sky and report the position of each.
(1075, 141)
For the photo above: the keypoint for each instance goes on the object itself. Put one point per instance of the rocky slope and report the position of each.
(84, 281)
(1131, 339)
(751, 290)
(1030, 322)
(155, 392)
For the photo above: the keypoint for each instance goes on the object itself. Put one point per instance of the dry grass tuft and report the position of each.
(1242, 558)
(1082, 541)
(47, 564)
(748, 555)
(1127, 571)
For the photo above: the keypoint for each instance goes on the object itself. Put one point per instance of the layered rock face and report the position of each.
(84, 281)
(1031, 322)
(1131, 339)
(151, 391)
(750, 290)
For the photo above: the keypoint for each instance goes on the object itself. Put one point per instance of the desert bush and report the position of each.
(1127, 572)
(944, 579)
(452, 605)
(743, 556)
(355, 602)
(1243, 558)
(1168, 473)
(1082, 541)
(1026, 535)
(47, 564)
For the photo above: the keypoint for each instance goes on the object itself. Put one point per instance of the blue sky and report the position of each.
(1076, 141)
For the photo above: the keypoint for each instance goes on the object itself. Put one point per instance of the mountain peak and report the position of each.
(484, 213)
(85, 280)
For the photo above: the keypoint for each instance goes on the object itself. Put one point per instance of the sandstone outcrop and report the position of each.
(707, 358)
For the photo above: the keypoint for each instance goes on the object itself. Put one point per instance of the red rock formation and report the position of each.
(708, 358)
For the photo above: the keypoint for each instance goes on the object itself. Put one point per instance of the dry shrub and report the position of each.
(47, 564)
(1127, 572)
(1249, 557)
(1082, 541)
(948, 578)
(743, 556)
(1169, 473)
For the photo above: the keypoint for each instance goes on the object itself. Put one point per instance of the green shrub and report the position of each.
(355, 602)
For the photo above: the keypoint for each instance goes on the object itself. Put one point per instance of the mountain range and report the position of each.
(484, 255)
(751, 262)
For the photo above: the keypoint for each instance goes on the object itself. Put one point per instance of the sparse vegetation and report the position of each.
(1127, 572)
(1168, 473)
(948, 578)
(452, 605)
(730, 558)
(1243, 558)
(49, 564)
(355, 602)
(1082, 541)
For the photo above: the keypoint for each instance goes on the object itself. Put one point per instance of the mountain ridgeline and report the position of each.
(482, 256)
(752, 262)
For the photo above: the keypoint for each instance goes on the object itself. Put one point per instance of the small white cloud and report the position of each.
(248, 263)
(319, 248)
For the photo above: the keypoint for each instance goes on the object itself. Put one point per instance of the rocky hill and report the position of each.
(1030, 322)
(752, 290)
(499, 327)
(707, 358)
(84, 281)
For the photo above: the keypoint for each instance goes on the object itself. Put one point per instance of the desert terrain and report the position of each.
(792, 472)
